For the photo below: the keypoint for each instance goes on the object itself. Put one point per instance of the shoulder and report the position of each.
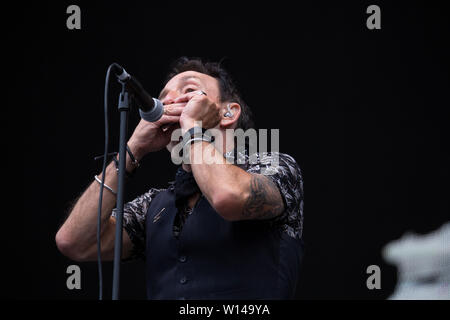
(284, 170)
(273, 163)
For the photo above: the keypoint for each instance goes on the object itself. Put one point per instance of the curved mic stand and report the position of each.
(124, 108)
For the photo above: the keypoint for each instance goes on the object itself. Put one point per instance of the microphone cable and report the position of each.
(100, 198)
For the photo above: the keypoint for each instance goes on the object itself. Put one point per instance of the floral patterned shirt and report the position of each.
(279, 167)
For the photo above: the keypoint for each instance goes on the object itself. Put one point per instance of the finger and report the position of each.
(165, 119)
(188, 96)
(184, 98)
(174, 109)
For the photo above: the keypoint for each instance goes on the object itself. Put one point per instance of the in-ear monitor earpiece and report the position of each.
(228, 114)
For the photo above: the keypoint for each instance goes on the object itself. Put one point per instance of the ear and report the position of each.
(230, 115)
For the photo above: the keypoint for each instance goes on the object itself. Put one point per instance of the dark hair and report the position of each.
(227, 87)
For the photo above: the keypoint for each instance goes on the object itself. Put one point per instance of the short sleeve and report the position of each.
(134, 213)
(287, 175)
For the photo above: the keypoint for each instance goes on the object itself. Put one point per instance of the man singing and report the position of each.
(223, 229)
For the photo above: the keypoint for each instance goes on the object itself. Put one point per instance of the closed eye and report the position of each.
(190, 89)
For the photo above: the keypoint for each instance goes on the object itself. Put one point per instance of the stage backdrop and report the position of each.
(364, 112)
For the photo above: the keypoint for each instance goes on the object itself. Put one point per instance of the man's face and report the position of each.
(186, 82)
(189, 81)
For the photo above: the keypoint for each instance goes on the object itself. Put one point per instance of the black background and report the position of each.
(364, 112)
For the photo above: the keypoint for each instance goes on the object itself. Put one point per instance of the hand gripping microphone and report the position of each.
(150, 109)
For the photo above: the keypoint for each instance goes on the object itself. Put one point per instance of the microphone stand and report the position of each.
(124, 109)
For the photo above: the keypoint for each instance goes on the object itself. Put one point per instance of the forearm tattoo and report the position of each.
(264, 201)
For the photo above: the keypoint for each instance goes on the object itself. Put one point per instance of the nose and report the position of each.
(170, 97)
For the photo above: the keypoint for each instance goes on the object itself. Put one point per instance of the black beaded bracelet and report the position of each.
(133, 160)
(116, 162)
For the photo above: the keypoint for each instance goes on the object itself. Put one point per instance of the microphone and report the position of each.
(150, 109)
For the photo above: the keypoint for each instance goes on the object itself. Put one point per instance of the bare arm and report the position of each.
(77, 238)
(239, 195)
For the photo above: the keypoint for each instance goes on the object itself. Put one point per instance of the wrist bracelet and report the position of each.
(194, 132)
(133, 159)
(190, 141)
(134, 162)
(105, 185)
(198, 132)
